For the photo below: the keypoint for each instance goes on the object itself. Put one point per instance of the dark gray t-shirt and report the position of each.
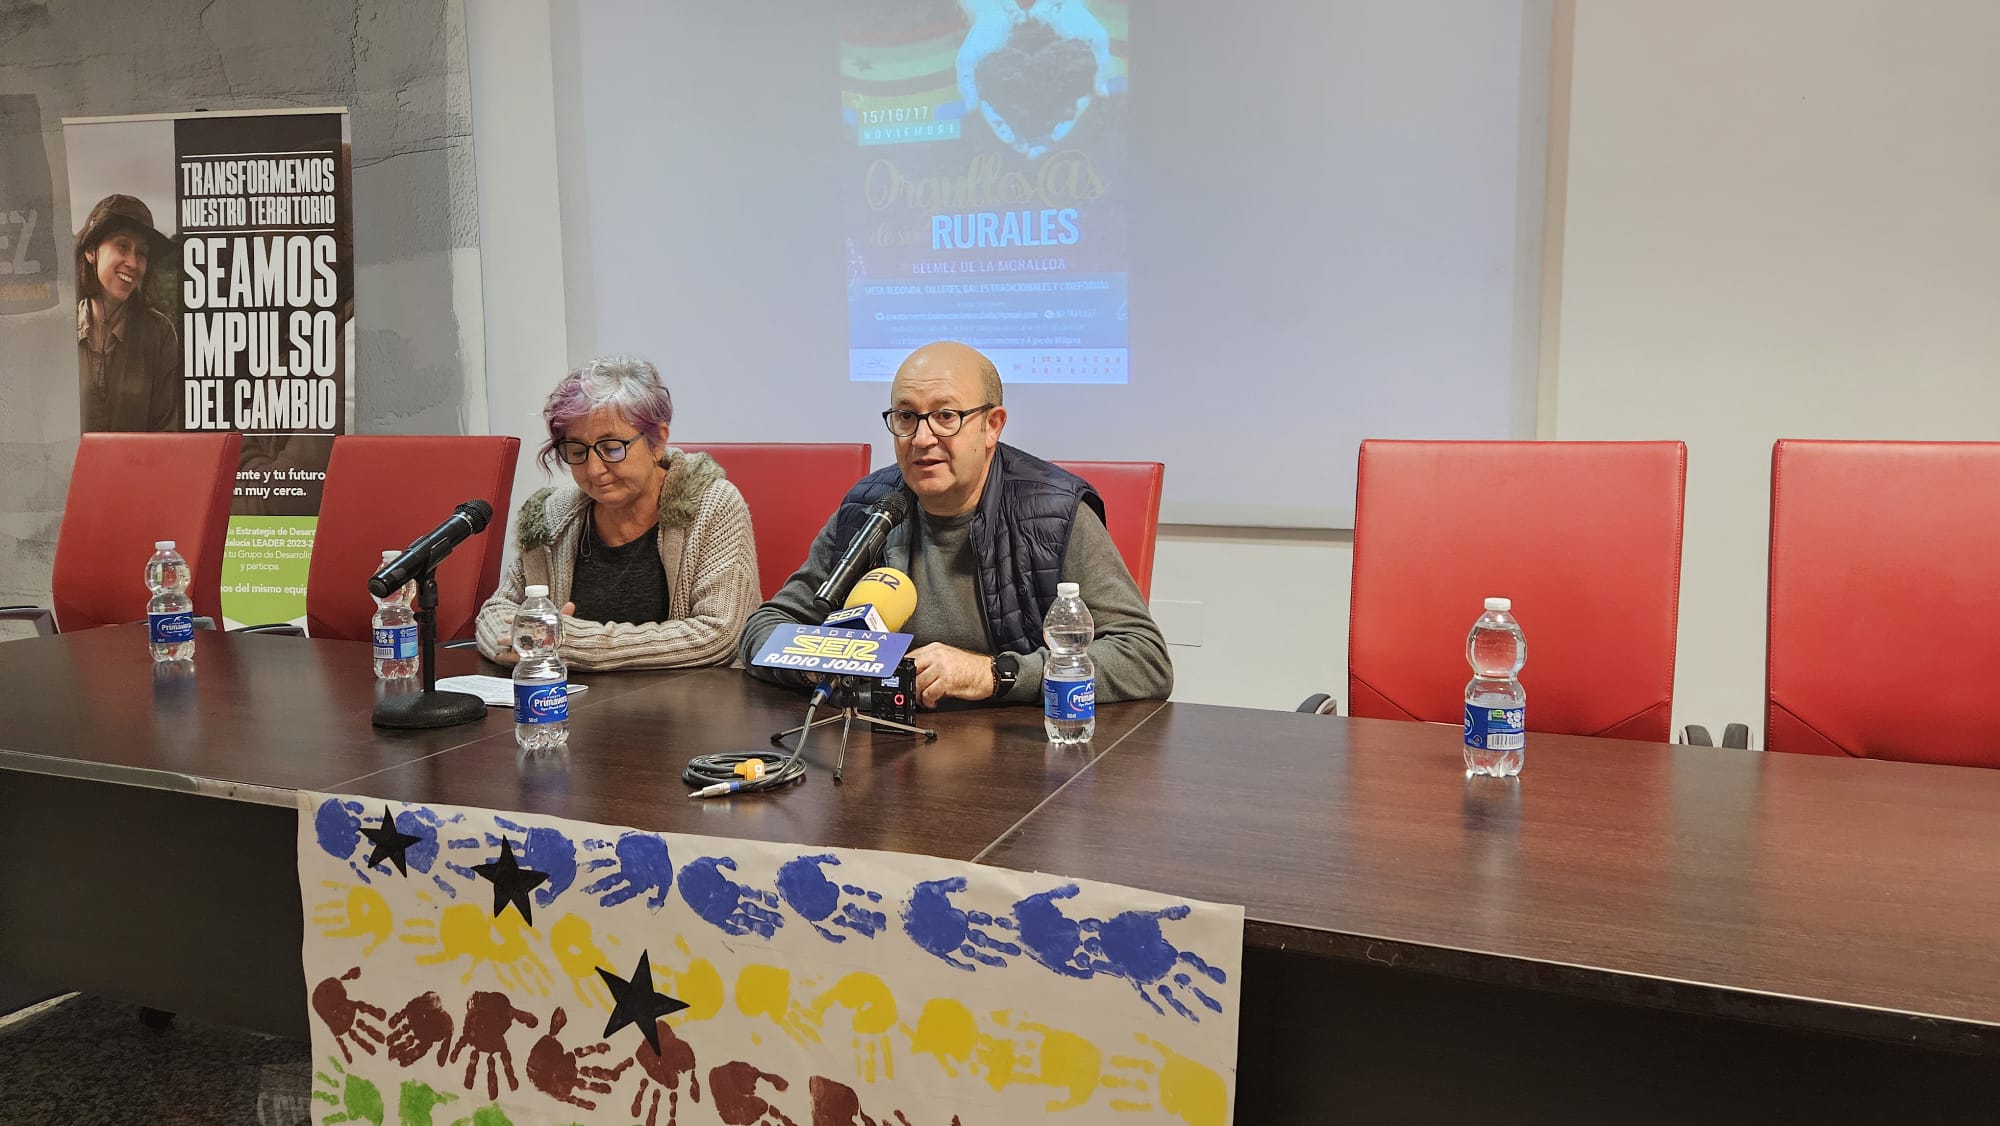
(627, 583)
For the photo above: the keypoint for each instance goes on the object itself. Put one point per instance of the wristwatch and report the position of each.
(1006, 667)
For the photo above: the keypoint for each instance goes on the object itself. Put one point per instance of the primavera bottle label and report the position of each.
(1069, 699)
(1495, 729)
(170, 629)
(395, 643)
(541, 703)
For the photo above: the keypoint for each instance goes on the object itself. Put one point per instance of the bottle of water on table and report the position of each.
(1495, 703)
(395, 627)
(170, 612)
(541, 680)
(1069, 680)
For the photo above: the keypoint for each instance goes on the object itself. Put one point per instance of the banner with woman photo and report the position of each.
(214, 258)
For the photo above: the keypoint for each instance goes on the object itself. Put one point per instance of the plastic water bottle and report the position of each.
(1495, 703)
(541, 680)
(1069, 680)
(395, 625)
(170, 612)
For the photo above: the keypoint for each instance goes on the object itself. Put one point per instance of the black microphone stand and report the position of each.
(428, 707)
(844, 695)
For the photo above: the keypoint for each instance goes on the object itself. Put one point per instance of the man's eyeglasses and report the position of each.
(610, 451)
(944, 423)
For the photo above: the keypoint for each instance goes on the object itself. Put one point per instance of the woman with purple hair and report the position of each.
(649, 554)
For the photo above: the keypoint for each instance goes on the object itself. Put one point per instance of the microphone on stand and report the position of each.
(468, 519)
(429, 707)
(883, 515)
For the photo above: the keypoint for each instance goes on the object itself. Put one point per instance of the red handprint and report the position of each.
(737, 1102)
(416, 1027)
(344, 1015)
(560, 1072)
(661, 1071)
(488, 1018)
(836, 1104)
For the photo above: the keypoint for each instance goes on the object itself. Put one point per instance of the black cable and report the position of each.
(704, 771)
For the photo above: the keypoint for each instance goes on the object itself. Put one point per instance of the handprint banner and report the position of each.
(986, 194)
(473, 968)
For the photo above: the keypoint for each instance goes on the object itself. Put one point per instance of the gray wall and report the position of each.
(399, 66)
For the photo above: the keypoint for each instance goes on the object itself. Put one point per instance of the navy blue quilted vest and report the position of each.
(1020, 534)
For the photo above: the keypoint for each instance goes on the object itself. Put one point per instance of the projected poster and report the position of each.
(214, 256)
(985, 184)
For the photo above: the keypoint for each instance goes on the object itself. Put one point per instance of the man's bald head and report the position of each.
(949, 358)
(958, 391)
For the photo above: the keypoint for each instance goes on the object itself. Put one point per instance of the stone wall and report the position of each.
(398, 66)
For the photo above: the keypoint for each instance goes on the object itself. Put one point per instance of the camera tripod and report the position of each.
(850, 699)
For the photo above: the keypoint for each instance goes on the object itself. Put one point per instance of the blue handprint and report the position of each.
(728, 905)
(337, 827)
(803, 883)
(1052, 938)
(941, 927)
(639, 864)
(1129, 945)
(546, 851)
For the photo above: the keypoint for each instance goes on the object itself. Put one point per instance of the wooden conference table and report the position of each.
(1631, 932)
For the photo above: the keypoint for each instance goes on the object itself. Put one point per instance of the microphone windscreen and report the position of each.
(478, 513)
(890, 591)
(895, 506)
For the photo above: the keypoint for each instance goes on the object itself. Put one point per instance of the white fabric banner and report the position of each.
(469, 967)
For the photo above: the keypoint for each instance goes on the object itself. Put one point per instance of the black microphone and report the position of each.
(468, 519)
(882, 516)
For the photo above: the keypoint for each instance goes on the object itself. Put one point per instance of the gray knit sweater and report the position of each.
(706, 549)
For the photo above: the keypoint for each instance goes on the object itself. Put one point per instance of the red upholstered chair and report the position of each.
(791, 488)
(126, 491)
(1131, 492)
(383, 491)
(1585, 537)
(1884, 607)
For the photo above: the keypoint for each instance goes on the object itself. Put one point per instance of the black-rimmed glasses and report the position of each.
(610, 451)
(943, 422)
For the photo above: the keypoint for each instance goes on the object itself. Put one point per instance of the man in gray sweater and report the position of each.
(993, 531)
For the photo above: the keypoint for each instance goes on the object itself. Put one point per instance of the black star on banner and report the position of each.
(390, 842)
(636, 1002)
(511, 882)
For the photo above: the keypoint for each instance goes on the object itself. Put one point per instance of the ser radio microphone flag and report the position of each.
(882, 601)
(883, 515)
(468, 519)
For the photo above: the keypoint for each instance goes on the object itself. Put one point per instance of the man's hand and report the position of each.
(943, 671)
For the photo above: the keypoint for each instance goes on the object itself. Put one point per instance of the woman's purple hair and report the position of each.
(626, 384)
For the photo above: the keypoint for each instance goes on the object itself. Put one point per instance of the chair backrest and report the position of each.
(383, 491)
(127, 491)
(1131, 492)
(791, 488)
(1585, 537)
(1883, 605)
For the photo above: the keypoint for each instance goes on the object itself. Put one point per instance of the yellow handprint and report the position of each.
(945, 1029)
(1068, 1062)
(578, 955)
(874, 1010)
(362, 912)
(1187, 1090)
(467, 931)
(699, 984)
(1040, 1055)
(766, 991)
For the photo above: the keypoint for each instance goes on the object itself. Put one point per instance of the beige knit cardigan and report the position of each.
(706, 548)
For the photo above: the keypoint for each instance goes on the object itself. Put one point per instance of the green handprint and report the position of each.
(357, 1100)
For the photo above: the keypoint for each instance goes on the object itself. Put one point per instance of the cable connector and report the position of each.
(717, 790)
